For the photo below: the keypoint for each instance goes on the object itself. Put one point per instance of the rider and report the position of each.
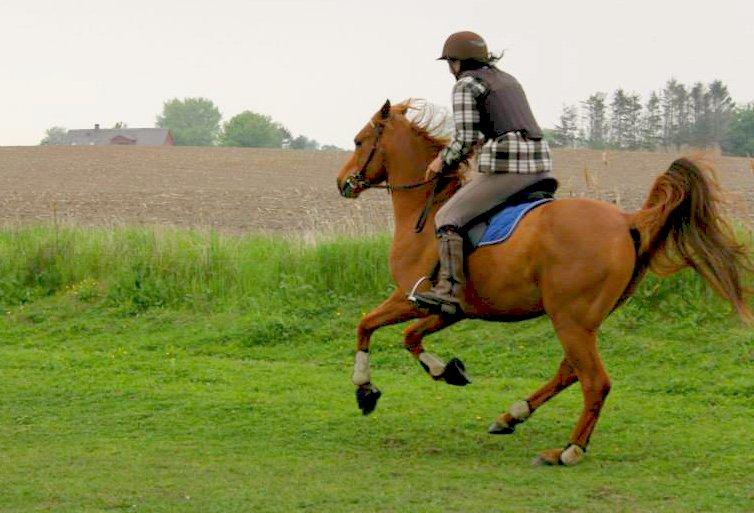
(491, 113)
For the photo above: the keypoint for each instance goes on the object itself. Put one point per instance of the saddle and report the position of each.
(497, 225)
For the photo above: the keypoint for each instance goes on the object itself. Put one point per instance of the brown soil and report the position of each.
(243, 190)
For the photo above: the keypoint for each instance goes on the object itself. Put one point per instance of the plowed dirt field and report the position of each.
(243, 190)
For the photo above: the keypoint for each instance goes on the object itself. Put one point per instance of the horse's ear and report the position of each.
(385, 111)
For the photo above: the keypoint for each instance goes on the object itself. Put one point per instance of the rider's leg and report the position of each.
(483, 193)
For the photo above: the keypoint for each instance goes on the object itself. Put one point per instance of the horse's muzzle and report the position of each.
(347, 189)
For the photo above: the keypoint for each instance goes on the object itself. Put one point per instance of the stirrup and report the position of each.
(412, 295)
(436, 305)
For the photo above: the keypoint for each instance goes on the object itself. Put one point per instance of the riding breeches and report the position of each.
(481, 194)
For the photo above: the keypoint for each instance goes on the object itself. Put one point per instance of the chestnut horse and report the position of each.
(575, 260)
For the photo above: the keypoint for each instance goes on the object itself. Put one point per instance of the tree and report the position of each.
(566, 132)
(55, 136)
(699, 133)
(740, 136)
(596, 120)
(669, 112)
(651, 125)
(194, 121)
(252, 130)
(681, 107)
(551, 136)
(303, 143)
(721, 111)
(633, 122)
(331, 147)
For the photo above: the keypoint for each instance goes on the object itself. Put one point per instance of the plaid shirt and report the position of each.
(509, 153)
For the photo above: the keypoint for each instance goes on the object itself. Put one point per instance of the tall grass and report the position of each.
(140, 268)
(143, 268)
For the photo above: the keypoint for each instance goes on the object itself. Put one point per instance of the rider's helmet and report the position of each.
(464, 46)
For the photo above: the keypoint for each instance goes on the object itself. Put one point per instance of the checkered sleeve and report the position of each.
(467, 120)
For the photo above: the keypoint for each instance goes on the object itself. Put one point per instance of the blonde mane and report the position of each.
(431, 122)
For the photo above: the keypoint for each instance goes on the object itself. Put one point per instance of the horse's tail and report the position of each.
(681, 225)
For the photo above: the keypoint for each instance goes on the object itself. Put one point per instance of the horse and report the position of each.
(573, 259)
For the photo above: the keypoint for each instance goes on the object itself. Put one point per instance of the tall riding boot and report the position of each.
(446, 296)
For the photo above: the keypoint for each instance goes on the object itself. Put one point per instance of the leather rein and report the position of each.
(359, 181)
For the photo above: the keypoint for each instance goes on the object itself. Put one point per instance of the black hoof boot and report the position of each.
(366, 397)
(455, 373)
(500, 429)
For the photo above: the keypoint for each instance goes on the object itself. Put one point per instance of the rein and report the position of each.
(359, 181)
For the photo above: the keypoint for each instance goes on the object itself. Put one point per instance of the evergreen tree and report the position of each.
(669, 114)
(651, 125)
(680, 98)
(596, 120)
(633, 122)
(699, 113)
(618, 119)
(566, 132)
(721, 111)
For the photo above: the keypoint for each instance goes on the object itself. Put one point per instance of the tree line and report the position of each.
(197, 122)
(699, 115)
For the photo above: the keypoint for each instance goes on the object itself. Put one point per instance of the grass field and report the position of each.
(171, 371)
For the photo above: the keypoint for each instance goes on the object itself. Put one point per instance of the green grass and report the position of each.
(166, 371)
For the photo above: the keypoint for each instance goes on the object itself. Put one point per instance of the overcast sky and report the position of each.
(322, 67)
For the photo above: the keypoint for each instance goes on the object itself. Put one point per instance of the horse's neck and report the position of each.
(414, 254)
(408, 206)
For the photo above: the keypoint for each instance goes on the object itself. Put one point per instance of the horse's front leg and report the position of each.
(393, 310)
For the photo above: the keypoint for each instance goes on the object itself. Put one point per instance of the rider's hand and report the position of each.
(434, 168)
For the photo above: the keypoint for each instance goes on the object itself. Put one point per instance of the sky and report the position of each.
(323, 67)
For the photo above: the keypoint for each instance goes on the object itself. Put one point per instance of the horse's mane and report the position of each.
(432, 123)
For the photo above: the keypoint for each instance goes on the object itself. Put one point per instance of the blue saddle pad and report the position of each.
(502, 225)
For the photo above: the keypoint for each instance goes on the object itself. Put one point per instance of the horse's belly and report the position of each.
(501, 285)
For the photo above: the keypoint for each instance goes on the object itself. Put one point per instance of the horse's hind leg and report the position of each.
(454, 372)
(521, 410)
(581, 352)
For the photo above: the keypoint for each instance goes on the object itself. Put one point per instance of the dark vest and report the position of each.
(504, 107)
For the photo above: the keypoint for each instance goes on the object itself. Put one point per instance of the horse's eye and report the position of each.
(357, 143)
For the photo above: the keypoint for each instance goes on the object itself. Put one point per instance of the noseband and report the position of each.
(358, 181)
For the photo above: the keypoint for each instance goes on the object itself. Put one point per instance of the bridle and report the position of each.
(358, 180)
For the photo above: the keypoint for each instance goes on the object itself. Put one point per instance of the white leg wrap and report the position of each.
(572, 455)
(519, 410)
(436, 365)
(361, 373)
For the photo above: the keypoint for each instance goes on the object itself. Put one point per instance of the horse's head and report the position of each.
(366, 167)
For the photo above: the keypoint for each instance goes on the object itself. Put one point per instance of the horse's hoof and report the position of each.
(497, 428)
(455, 373)
(548, 458)
(569, 456)
(366, 397)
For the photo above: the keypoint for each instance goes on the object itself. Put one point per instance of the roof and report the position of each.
(105, 136)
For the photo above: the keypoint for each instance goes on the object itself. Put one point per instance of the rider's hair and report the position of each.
(472, 64)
